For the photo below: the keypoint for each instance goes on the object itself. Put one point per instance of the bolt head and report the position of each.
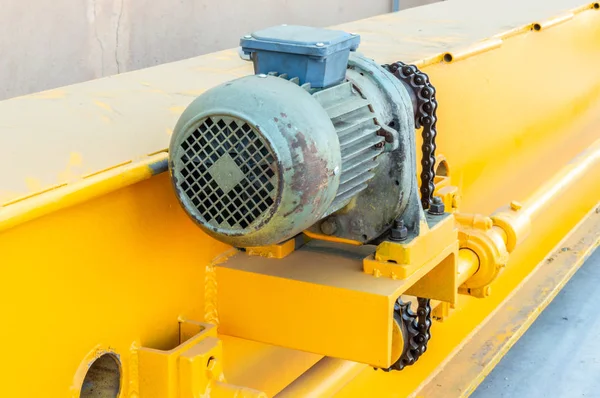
(262, 75)
(320, 44)
(329, 226)
(247, 36)
(399, 223)
(436, 207)
(336, 170)
(399, 232)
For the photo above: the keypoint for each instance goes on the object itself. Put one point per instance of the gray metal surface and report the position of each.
(313, 55)
(291, 162)
(220, 183)
(381, 194)
(559, 356)
(355, 127)
(229, 173)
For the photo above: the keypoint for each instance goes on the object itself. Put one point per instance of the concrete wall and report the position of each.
(51, 43)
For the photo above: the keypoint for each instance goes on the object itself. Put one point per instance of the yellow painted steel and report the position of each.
(468, 264)
(464, 372)
(323, 379)
(536, 293)
(427, 265)
(110, 263)
(280, 250)
(24, 209)
(271, 301)
(192, 369)
(478, 234)
(408, 258)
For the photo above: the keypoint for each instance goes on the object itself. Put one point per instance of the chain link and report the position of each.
(417, 331)
(417, 326)
(425, 116)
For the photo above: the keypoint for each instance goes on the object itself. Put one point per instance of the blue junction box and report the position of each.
(313, 55)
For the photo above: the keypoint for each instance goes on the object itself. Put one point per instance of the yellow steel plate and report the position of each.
(488, 344)
(57, 136)
(88, 268)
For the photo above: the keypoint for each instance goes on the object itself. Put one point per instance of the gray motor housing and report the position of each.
(255, 161)
(258, 160)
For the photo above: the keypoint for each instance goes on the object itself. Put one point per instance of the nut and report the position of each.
(399, 232)
(437, 207)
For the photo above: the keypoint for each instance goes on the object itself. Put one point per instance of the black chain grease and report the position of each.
(418, 325)
(425, 117)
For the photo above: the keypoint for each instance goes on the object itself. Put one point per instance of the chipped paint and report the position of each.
(310, 169)
(159, 167)
(103, 105)
(33, 184)
(177, 110)
(75, 159)
(91, 186)
(191, 93)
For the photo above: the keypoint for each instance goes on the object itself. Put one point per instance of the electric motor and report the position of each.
(318, 140)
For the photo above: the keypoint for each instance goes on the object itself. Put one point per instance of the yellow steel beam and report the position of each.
(544, 284)
(117, 270)
(307, 301)
(90, 187)
(467, 368)
(304, 302)
(192, 369)
(323, 379)
(464, 324)
(76, 130)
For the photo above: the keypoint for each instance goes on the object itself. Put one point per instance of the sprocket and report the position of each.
(416, 331)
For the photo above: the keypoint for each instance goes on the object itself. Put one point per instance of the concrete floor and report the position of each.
(559, 356)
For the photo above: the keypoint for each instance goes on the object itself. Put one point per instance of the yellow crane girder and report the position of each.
(99, 259)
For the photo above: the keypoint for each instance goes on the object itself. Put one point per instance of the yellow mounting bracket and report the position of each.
(320, 299)
(193, 369)
(429, 260)
(479, 234)
(279, 250)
